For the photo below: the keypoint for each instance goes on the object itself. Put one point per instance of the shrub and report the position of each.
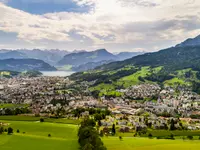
(101, 133)
(190, 137)
(17, 130)
(1, 130)
(6, 130)
(49, 135)
(10, 130)
(150, 135)
(120, 138)
(172, 136)
(41, 120)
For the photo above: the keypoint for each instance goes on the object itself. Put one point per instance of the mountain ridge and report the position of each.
(25, 64)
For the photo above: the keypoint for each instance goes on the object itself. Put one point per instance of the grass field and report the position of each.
(13, 105)
(32, 118)
(64, 136)
(34, 135)
(149, 144)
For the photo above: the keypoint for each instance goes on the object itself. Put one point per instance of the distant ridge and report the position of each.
(25, 64)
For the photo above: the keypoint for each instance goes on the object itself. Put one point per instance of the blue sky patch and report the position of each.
(47, 6)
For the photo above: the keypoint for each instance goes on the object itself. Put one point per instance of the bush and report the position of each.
(172, 136)
(41, 120)
(6, 130)
(120, 138)
(190, 137)
(1, 130)
(17, 130)
(49, 135)
(101, 133)
(10, 130)
(150, 135)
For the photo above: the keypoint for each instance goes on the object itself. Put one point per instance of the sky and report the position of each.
(117, 25)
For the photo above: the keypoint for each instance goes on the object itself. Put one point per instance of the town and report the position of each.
(142, 107)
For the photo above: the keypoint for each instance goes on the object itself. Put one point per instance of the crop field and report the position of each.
(33, 135)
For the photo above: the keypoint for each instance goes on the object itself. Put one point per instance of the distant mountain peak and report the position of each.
(190, 42)
(76, 59)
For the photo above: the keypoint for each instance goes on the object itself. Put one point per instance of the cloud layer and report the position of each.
(118, 25)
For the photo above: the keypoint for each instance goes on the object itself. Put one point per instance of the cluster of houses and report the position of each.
(142, 91)
(145, 105)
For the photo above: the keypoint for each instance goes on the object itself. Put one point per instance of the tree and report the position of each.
(101, 133)
(99, 123)
(89, 138)
(172, 136)
(190, 137)
(10, 130)
(87, 146)
(41, 120)
(1, 130)
(17, 130)
(150, 135)
(113, 129)
(120, 138)
(172, 124)
(49, 135)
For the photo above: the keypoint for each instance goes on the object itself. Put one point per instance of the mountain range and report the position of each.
(64, 60)
(176, 65)
(76, 59)
(48, 56)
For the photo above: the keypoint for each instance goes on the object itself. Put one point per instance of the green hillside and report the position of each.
(176, 66)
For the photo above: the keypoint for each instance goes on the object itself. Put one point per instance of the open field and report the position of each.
(149, 144)
(32, 118)
(34, 135)
(12, 105)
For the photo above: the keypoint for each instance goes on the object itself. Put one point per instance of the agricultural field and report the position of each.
(34, 135)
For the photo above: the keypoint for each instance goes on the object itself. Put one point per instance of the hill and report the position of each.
(190, 42)
(90, 65)
(126, 55)
(25, 64)
(178, 65)
(77, 59)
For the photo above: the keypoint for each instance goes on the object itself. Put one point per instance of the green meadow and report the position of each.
(33, 135)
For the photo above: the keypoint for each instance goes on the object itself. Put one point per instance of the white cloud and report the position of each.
(114, 24)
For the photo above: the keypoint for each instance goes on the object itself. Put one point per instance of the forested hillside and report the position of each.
(178, 65)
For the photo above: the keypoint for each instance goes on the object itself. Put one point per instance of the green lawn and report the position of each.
(13, 105)
(149, 144)
(26, 142)
(64, 137)
(32, 118)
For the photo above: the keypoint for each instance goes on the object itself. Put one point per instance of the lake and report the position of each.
(57, 73)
